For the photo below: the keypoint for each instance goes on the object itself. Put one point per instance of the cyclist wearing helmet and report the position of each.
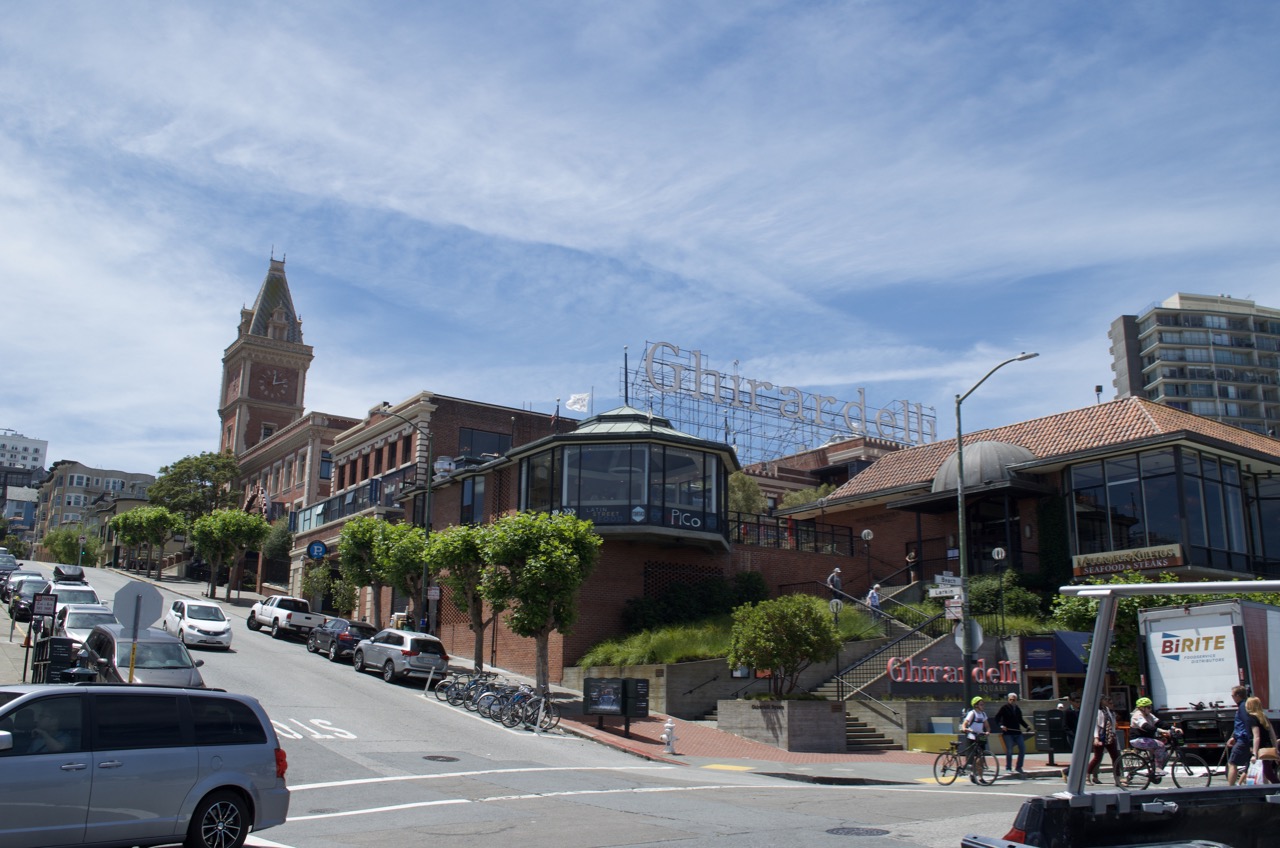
(975, 729)
(1147, 733)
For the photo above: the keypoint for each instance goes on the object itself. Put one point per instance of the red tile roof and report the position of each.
(1091, 427)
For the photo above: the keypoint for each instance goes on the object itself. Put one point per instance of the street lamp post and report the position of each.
(426, 518)
(867, 536)
(966, 631)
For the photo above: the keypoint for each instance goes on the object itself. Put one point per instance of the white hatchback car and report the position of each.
(198, 623)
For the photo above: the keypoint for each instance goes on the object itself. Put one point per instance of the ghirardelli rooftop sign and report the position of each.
(901, 421)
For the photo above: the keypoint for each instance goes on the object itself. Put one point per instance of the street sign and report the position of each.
(948, 580)
(955, 608)
(44, 604)
(140, 602)
(975, 632)
(946, 592)
(317, 550)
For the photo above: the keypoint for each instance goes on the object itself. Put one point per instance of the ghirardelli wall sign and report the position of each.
(669, 370)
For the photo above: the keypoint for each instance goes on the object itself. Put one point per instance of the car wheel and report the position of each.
(389, 672)
(333, 652)
(221, 821)
(357, 661)
(252, 623)
(312, 647)
(276, 633)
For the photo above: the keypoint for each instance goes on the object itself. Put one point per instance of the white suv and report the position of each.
(127, 765)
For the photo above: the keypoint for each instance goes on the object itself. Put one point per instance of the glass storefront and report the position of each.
(628, 484)
(1168, 496)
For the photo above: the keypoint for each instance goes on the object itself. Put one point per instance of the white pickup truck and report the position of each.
(285, 616)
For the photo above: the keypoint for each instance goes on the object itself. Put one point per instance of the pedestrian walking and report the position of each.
(834, 584)
(873, 601)
(1241, 741)
(1011, 723)
(1107, 741)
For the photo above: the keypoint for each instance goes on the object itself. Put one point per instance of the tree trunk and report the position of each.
(543, 674)
(214, 568)
(477, 625)
(377, 605)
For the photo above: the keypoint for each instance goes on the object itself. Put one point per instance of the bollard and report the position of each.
(669, 736)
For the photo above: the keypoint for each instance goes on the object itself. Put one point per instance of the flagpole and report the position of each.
(626, 383)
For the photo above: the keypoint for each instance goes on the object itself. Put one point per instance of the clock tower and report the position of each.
(264, 370)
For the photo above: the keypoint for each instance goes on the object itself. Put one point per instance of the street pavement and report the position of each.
(697, 744)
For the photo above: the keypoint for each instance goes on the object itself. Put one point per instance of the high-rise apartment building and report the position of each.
(17, 451)
(1214, 355)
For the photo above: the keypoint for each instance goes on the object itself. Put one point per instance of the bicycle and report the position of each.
(952, 763)
(1137, 769)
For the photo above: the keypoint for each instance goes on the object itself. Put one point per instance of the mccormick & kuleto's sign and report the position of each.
(1134, 559)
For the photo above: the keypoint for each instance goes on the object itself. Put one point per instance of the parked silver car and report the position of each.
(160, 659)
(75, 621)
(128, 765)
(401, 653)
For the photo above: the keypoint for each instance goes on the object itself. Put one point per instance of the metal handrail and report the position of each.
(703, 683)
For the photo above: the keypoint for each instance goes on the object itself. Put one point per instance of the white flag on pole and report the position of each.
(578, 403)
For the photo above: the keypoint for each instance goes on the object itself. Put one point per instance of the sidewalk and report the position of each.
(697, 744)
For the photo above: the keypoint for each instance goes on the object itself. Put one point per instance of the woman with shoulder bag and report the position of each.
(1264, 741)
(1105, 741)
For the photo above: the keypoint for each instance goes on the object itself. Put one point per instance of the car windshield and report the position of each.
(294, 606)
(29, 588)
(154, 655)
(362, 631)
(8, 561)
(75, 596)
(427, 646)
(205, 613)
(87, 620)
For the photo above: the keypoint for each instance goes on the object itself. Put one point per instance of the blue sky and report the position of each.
(489, 200)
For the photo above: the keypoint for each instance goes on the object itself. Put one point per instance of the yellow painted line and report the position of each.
(728, 767)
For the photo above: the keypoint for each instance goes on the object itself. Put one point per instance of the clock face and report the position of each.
(273, 383)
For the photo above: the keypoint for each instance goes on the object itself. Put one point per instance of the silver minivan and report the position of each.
(130, 765)
(160, 659)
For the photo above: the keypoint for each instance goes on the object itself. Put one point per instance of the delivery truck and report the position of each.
(1192, 655)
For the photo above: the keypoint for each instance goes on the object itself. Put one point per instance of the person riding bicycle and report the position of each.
(974, 727)
(1146, 732)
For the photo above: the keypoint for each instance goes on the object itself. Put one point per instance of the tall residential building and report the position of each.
(1214, 355)
(17, 451)
(69, 495)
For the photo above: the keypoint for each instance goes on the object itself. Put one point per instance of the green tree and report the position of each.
(1073, 612)
(358, 558)
(64, 545)
(402, 553)
(225, 534)
(800, 497)
(985, 595)
(279, 542)
(318, 581)
(537, 562)
(457, 563)
(153, 526)
(784, 635)
(16, 546)
(197, 485)
(745, 495)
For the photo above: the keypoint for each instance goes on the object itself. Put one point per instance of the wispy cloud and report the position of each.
(893, 196)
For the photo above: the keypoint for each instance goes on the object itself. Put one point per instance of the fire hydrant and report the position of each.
(668, 736)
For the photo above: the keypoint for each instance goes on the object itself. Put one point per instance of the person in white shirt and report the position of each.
(975, 729)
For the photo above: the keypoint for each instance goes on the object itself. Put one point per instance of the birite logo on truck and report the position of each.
(1205, 645)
